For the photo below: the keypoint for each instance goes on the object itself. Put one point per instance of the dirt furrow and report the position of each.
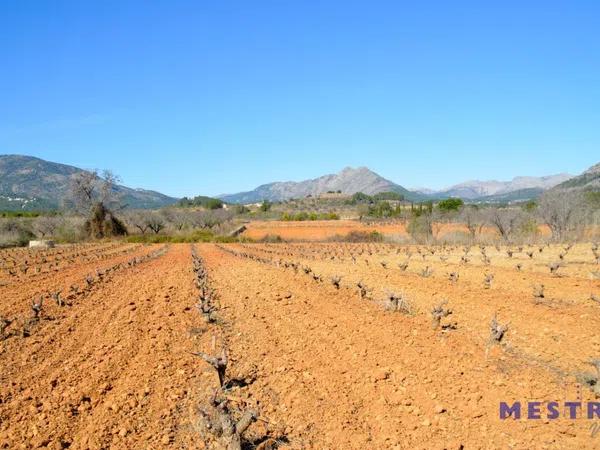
(342, 373)
(16, 298)
(541, 332)
(116, 373)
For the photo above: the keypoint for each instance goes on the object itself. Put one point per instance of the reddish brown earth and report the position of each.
(320, 230)
(341, 372)
(325, 369)
(111, 371)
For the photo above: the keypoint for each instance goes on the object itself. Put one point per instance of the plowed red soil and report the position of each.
(111, 371)
(324, 368)
(320, 230)
(344, 373)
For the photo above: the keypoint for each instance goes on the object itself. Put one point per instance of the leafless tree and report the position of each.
(473, 220)
(210, 219)
(137, 220)
(97, 198)
(564, 212)
(91, 187)
(178, 218)
(504, 220)
(46, 226)
(421, 227)
(154, 221)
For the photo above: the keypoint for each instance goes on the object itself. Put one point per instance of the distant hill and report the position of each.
(519, 195)
(588, 180)
(28, 183)
(348, 181)
(351, 180)
(518, 187)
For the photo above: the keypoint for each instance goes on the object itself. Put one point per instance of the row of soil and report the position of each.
(341, 372)
(559, 330)
(116, 371)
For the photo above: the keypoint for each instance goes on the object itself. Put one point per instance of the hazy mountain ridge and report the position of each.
(349, 181)
(361, 179)
(476, 189)
(520, 195)
(30, 183)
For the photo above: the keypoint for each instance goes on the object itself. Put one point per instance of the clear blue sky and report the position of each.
(212, 97)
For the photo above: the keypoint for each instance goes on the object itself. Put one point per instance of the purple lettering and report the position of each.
(533, 410)
(593, 409)
(572, 407)
(553, 410)
(507, 411)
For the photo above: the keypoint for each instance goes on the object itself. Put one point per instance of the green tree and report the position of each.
(450, 204)
(265, 206)
(381, 209)
(530, 206)
(359, 197)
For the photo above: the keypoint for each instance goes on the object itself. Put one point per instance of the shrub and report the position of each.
(381, 209)
(450, 204)
(102, 223)
(265, 206)
(359, 197)
(201, 201)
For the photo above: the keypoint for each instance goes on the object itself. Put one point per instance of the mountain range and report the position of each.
(348, 181)
(28, 183)
(351, 180)
(31, 183)
(476, 189)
